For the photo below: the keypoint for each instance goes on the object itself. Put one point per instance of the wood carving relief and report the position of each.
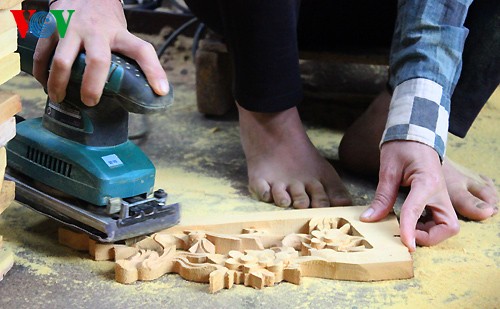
(261, 253)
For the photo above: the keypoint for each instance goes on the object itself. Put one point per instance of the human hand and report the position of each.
(98, 27)
(413, 164)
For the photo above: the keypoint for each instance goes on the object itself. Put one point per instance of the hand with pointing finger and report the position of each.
(409, 163)
(99, 28)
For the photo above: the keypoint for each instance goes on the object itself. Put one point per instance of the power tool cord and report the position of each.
(143, 135)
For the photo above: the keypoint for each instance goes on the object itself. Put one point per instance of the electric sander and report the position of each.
(94, 178)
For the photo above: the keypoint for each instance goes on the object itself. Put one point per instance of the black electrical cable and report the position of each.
(180, 7)
(143, 135)
(171, 38)
(196, 38)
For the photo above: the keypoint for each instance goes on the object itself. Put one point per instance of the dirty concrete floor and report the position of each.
(201, 164)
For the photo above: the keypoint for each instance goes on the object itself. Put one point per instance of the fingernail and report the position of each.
(495, 211)
(414, 244)
(368, 213)
(89, 101)
(164, 87)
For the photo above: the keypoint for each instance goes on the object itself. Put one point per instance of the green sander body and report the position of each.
(84, 152)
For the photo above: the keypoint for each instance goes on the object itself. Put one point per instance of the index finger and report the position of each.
(411, 210)
(145, 55)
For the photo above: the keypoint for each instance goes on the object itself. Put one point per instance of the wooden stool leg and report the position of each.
(213, 82)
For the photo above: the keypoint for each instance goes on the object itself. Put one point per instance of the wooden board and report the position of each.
(10, 66)
(7, 131)
(6, 262)
(10, 105)
(6, 4)
(8, 21)
(388, 259)
(261, 249)
(7, 195)
(8, 42)
(3, 164)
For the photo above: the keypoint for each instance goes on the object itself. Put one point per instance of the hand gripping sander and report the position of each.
(84, 153)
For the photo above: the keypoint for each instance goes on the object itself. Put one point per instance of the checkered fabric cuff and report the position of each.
(419, 112)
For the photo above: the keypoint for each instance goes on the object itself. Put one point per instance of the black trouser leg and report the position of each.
(262, 38)
(481, 65)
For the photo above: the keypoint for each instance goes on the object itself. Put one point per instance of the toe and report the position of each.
(299, 196)
(485, 191)
(261, 190)
(339, 197)
(319, 198)
(472, 207)
(280, 195)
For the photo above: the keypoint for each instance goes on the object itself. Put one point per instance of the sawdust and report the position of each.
(202, 195)
(462, 272)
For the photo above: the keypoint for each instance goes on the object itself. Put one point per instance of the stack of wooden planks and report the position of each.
(10, 104)
(9, 59)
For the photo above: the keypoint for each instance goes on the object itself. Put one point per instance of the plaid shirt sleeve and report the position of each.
(425, 64)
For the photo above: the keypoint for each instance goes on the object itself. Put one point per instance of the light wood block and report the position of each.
(8, 42)
(74, 240)
(3, 164)
(8, 21)
(10, 104)
(7, 195)
(10, 66)
(6, 4)
(6, 262)
(7, 131)
(101, 251)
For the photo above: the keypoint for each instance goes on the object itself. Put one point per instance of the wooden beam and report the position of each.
(8, 21)
(10, 104)
(7, 195)
(6, 4)
(7, 131)
(6, 262)
(10, 66)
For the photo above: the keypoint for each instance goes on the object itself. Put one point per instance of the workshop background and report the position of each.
(201, 165)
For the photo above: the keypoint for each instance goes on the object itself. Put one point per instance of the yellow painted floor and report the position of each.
(201, 165)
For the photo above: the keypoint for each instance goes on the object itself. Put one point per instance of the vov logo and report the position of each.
(42, 24)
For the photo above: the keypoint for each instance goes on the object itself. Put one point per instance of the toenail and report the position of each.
(284, 203)
(266, 196)
(324, 204)
(298, 203)
(483, 206)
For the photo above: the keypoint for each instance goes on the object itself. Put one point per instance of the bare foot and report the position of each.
(473, 196)
(284, 166)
